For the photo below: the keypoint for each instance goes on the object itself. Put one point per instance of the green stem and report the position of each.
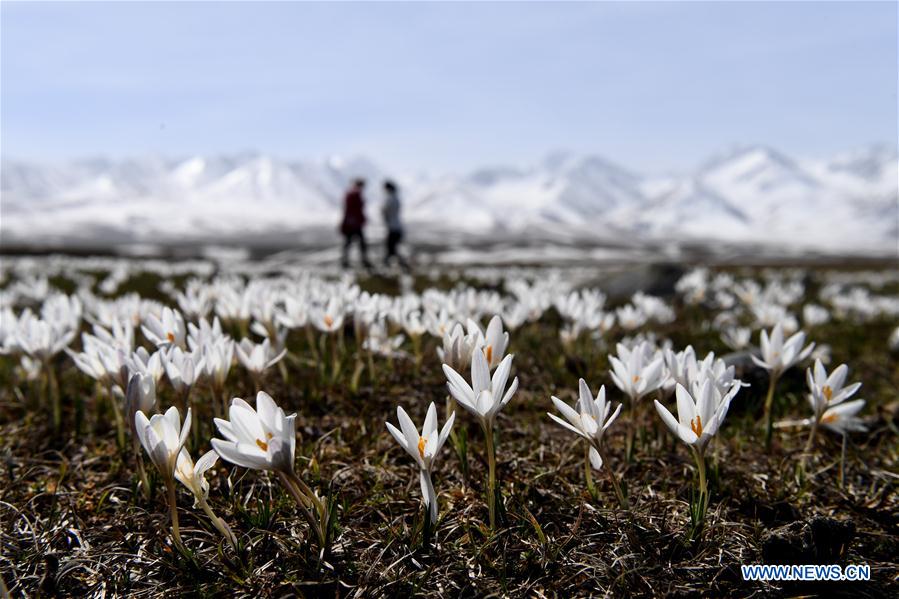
(769, 409)
(622, 500)
(292, 483)
(310, 339)
(491, 474)
(218, 522)
(588, 474)
(702, 508)
(144, 481)
(173, 509)
(843, 461)
(631, 428)
(53, 391)
(119, 419)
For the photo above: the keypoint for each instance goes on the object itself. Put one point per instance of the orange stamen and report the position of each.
(422, 442)
(697, 426)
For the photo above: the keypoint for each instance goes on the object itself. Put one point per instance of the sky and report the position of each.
(657, 87)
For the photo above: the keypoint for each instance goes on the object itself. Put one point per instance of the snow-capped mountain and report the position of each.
(746, 195)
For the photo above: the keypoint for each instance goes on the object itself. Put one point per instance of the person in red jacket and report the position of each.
(353, 221)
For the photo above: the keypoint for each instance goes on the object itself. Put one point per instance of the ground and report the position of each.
(74, 522)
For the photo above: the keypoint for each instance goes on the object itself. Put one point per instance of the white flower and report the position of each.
(637, 372)
(813, 315)
(457, 348)
(202, 333)
(698, 418)
(779, 355)
(329, 318)
(589, 418)
(826, 391)
(217, 357)
(261, 439)
(423, 448)
(258, 357)
(485, 397)
(630, 317)
(165, 331)
(101, 361)
(38, 338)
(182, 368)
(140, 395)
(193, 476)
(736, 338)
(162, 437)
(842, 418)
(495, 342)
(146, 363)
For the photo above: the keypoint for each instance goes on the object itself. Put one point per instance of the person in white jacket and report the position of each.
(391, 212)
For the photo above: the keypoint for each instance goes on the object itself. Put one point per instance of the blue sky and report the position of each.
(654, 86)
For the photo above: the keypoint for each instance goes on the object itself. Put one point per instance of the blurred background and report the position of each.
(515, 132)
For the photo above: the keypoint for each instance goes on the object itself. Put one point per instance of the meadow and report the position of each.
(767, 457)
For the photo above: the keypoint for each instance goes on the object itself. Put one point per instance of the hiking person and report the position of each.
(353, 222)
(391, 212)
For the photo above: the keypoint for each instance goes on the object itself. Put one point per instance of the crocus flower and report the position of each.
(265, 439)
(778, 356)
(165, 330)
(193, 476)
(162, 437)
(590, 419)
(484, 398)
(637, 371)
(262, 439)
(258, 357)
(140, 396)
(183, 369)
(495, 342)
(457, 348)
(699, 416)
(827, 396)
(423, 448)
(825, 390)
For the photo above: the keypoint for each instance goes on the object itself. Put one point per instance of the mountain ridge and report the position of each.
(751, 194)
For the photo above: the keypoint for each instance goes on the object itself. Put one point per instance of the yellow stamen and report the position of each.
(422, 442)
(636, 378)
(328, 321)
(829, 418)
(828, 392)
(697, 426)
(170, 336)
(488, 353)
(262, 444)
